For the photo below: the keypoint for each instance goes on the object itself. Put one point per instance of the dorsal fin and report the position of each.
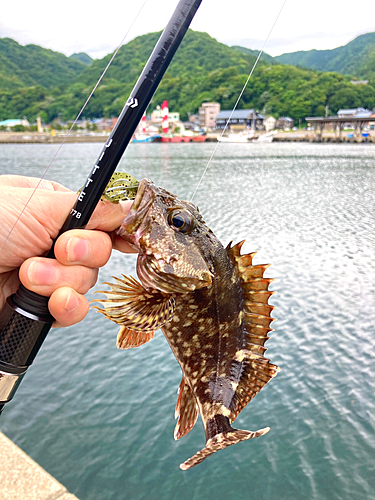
(255, 370)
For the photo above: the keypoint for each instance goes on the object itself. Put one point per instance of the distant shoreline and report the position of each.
(47, 138)
(291, 136)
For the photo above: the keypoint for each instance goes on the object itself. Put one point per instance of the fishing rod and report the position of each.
(26, 320)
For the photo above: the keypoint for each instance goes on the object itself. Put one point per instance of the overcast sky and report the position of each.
(98, 27)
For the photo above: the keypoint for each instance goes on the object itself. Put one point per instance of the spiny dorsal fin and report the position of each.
(128, 339)
(256, 370)
(186, 410)
(132, 305)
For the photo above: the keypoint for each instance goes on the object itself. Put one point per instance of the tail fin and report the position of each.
(219, 442)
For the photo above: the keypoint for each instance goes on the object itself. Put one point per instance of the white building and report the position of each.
(156, 116)
(269, 123)
(207, 114)
(13, 122)
(348, 113)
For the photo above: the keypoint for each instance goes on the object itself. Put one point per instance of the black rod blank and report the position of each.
(25, 320)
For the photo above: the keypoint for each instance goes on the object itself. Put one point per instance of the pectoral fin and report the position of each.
(186, 410)
(131, 305)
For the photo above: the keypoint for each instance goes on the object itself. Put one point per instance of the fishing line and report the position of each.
(74, 123)
(238, 100)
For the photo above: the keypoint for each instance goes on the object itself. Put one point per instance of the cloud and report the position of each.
(85, 26)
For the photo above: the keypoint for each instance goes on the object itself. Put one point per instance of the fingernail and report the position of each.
(71, 302)
(125, 205)
(77, 249)
(42, 273)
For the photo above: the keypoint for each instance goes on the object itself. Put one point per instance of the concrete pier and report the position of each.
(45, 138)
(290, 136)
(23, 479)
(327, 136)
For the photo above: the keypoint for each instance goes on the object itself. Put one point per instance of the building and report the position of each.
(269, 123)
(207, 115)
(8, 124)
(284, 123)
(105, 124)
(349, 113)
(194, 119)
(240, 119)
(156, 116)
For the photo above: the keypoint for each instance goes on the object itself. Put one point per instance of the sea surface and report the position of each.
(101, 420)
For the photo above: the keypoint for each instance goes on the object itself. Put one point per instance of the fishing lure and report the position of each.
(121, 186)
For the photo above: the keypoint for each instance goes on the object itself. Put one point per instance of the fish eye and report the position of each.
(181, 221)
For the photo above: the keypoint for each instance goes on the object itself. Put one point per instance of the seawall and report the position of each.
(23, 479)
(297, 136)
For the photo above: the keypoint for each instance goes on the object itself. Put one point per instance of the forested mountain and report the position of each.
(255, 53)
(202, 70)
(83, 57)
(25, 66)
(356, 58)
(198, 54)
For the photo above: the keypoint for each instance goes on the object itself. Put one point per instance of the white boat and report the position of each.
(248, 138)
(237, 138)
(266, 137)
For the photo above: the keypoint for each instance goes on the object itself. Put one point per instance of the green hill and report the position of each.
(25, 66)
(198, 54)
(82, 57)
(255, 53)
(183, 85)
(203, 70)
(356, 58)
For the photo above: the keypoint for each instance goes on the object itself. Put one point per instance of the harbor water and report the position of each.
(101, 420)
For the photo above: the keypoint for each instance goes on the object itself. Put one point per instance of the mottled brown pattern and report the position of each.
(217, 324)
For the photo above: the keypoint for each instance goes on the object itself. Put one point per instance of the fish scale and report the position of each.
(211, 304)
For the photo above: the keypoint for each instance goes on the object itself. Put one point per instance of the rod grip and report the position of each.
(25, 322)
(21, 335)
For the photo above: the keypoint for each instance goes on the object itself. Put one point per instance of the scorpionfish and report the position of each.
(211, 304)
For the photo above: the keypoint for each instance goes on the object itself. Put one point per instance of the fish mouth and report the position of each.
(163, 263)
(131, 225)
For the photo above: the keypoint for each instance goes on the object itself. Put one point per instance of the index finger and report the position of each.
(31, 182)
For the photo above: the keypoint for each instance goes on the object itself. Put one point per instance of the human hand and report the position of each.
(79, 253)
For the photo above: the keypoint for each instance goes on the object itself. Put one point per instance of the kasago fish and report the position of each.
(211, 304)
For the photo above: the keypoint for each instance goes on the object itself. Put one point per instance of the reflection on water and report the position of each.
(101, 420)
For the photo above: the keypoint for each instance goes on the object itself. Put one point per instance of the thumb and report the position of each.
(108, 216)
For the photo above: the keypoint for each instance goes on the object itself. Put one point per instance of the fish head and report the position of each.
(168, 233)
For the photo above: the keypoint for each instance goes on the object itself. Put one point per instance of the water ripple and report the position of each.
(101, 420)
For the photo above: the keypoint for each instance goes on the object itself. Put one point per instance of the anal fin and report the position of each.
(128, 339)
(186, 410)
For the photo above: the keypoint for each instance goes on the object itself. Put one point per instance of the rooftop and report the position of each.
(238, 114)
